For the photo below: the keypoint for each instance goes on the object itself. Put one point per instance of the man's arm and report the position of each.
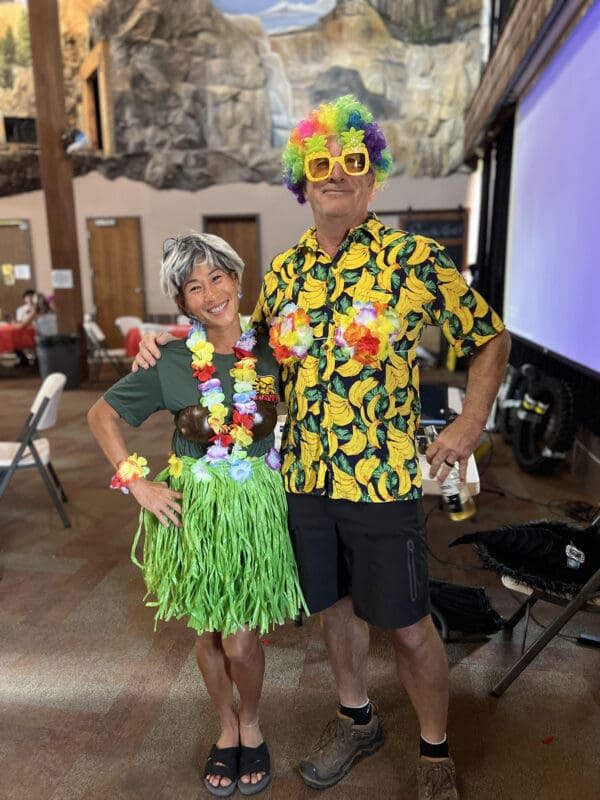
(149, 349)
(457, 441)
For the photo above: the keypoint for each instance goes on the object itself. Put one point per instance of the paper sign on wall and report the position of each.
(62, 278)
(23, 272)
(8, 274)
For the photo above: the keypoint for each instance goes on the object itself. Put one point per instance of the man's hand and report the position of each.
(159, 499)
(149, 351)
(459, 439)
(454, 444)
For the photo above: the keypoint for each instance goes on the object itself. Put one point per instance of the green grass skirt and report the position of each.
(231, 565)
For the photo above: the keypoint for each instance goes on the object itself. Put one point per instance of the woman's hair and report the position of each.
(188, 250)
(333, 119)
(43, 305)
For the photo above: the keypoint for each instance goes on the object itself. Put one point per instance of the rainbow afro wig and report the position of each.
(333, 119)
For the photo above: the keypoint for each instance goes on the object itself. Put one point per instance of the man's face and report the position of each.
(341, 196)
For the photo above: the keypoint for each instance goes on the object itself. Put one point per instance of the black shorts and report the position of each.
(374, 552)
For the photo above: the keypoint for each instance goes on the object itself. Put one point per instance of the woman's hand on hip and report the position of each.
(159, 499)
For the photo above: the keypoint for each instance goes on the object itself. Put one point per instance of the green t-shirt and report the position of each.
(171, 386)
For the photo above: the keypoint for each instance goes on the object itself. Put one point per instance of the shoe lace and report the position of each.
(333, 730)
(438, 777)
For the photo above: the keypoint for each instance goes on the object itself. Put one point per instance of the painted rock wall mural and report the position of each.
(206, 92)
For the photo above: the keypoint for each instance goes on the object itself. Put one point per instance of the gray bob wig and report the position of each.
(188, 250)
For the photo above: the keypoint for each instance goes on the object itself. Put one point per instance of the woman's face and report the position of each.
(210, 295)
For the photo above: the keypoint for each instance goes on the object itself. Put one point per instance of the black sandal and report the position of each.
(254, 759)
(222, 761)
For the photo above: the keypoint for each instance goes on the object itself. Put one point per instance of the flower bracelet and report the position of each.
(128, 470)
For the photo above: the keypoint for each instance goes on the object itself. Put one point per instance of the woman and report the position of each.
(216, 547)
(41, 315)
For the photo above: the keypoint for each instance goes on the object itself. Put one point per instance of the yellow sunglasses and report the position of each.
(353, 160)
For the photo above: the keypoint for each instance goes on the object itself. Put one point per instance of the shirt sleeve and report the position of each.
(136, 396)
(465, 317)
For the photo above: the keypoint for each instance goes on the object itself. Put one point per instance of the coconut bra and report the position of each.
(192, 422)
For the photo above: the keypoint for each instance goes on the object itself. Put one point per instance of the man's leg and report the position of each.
(423, 669)
(356, 731)
(347, 641)
(324, 578)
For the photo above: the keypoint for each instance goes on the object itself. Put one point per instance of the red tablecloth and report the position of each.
(134, 336)
(12, 338)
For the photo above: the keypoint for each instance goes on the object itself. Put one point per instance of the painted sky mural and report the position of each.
(280, 16)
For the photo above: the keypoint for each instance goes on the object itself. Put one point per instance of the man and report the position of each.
(27, 306)
(346, 307)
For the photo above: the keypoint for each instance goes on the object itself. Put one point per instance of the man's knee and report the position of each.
(414, 637)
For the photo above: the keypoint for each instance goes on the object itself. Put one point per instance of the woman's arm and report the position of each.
(155, 497)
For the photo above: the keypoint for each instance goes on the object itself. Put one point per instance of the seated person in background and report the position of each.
(42, 316)
(28, 304)
(23, 312)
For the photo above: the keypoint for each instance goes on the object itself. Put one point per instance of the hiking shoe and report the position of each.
(436, 780)
(341, 743)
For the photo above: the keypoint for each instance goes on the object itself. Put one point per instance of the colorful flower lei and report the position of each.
(368, 331)
(290, 334)
(128, 470)
(230, 440)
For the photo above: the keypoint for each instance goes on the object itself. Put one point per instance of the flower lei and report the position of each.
(230, 440)
(290, 334)
(368, 331)
(128, 470)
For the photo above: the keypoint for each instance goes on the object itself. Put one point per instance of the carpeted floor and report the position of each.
(96, 705)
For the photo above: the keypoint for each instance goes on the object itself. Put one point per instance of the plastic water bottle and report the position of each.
(456, 495)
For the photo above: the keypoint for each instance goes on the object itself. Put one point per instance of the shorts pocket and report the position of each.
(412, 576)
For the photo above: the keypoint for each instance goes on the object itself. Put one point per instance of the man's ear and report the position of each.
(371, 187)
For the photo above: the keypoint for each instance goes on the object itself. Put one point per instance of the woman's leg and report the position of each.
(215, 668)
(246, 659)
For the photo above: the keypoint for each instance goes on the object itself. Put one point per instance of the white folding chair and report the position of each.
(126, 323)
(152, 327)
(99, 353)
(29, 451)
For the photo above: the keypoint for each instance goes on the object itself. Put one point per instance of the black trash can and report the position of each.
(59, 354)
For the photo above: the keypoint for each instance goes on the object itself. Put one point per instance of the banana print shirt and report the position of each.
(351, 425)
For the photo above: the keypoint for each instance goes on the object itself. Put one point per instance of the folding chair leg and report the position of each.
(57, 482)
(555, 626)
(52, 490)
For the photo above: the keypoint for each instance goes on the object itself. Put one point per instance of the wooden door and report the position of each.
(117, 272)
(16, 266)
(242, 235)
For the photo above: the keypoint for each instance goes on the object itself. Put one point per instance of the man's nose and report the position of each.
(337, 173)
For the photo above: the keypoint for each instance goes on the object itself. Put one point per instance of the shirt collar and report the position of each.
(370, 227)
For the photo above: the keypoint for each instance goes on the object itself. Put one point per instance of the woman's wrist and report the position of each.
(128, 470)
